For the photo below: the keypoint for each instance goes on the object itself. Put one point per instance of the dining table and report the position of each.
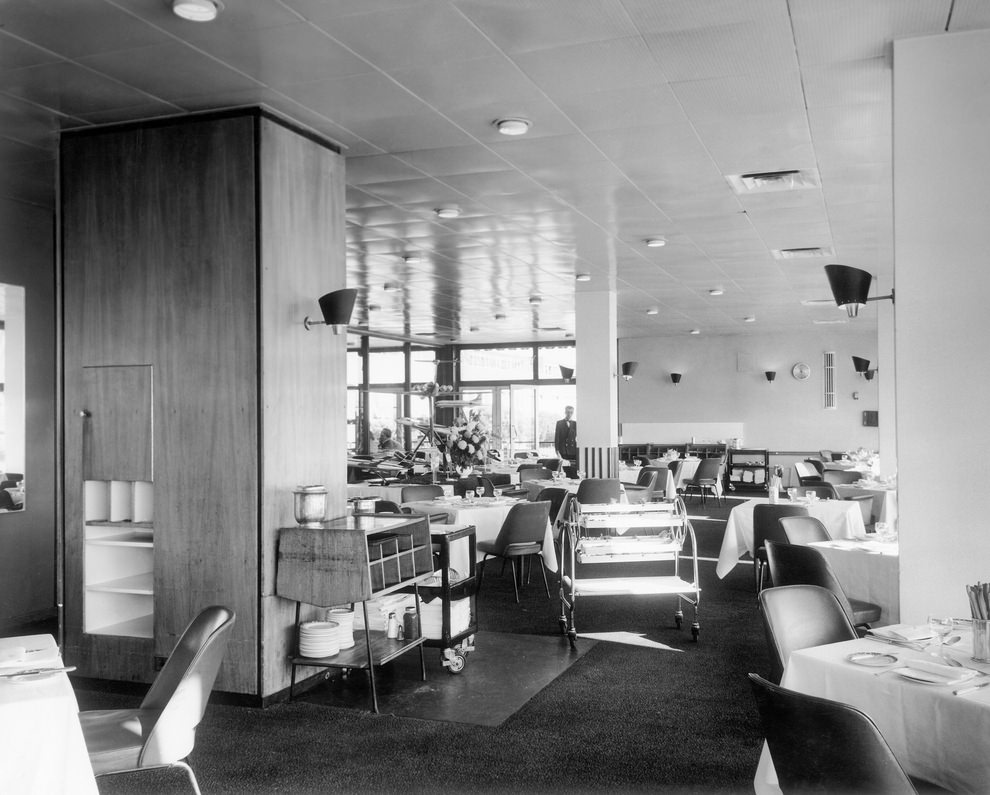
(884, 499)
(42, 749)
(391, 492)
(936, 735)
(868, 570)
(487, 515)
(842, 519)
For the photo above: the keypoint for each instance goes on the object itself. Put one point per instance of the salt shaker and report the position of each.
(392, 629)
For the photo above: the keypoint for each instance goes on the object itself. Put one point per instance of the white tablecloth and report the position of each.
(867, 570)
(487, 517)
(42, 749)
(843, 518)
(884, 501)
(391, 493)
(935, 735)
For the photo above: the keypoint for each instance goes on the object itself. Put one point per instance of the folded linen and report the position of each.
(906, 632)
(935, 672)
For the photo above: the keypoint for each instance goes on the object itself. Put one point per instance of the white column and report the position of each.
(597, 410)
(941, 207)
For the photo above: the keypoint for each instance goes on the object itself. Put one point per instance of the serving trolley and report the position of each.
(653, 534)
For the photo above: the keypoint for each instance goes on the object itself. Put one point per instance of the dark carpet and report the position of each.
(622, 718)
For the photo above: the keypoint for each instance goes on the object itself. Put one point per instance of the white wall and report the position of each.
(723, 382)
(942, 280)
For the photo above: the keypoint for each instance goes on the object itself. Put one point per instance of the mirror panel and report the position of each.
(12, 410)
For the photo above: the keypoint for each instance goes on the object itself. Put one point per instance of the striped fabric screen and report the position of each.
(599, 462)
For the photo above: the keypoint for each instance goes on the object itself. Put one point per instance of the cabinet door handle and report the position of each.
(83, 413)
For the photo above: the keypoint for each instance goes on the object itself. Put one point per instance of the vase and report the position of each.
(464, 471)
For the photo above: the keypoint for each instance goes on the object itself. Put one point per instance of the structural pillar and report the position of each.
(597, 409)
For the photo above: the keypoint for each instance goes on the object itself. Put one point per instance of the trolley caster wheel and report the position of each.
(695, 630)
(572, 637)
(563, 625)
(678, 621)
(455, 663)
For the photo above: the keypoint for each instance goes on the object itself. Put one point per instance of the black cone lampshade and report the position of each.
(567, 373)
(770, 374)
(675, 378)
(850, 287)
(629, 369)
(862, 365)
(336, 308)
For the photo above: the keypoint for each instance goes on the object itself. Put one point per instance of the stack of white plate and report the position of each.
(319, 638)
(345, 617)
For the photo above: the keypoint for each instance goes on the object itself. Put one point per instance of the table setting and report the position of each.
(842, 518)
(38, 710)
(869, 569)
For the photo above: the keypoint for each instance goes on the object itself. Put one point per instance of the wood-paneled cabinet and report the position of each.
(192, 248)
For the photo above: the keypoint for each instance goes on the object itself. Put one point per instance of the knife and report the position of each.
(894, 642)
(29, 671)
(964, 690)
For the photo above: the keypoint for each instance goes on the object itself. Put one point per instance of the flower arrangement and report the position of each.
(467, 444)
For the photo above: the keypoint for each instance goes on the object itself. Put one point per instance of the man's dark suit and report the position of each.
(565, 439)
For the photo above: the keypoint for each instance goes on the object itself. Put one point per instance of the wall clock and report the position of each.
(801, 371)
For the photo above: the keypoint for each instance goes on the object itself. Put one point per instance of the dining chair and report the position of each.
(705, 479)
(766, 527)
(162, 731)
(799, 617)
(807, 475)
(555, 495)
(534, 473)
(386, 506)
(521, 536)
(819, 745)
(598, 491)
(644, 487)
(553, 464)
(818, 464)
(825, 491)
(420, 492)
(796, 564)
(468, 487)
(803, 530)
(842, 477)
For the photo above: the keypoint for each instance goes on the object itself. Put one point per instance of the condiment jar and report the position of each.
(410, 623)
(392, 628)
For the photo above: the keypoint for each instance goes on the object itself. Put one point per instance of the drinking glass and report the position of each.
(497, 492)
(792, 494)
(941, 626)
(480, 491)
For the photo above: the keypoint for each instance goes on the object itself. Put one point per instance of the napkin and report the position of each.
(904, 632)
(936, 672)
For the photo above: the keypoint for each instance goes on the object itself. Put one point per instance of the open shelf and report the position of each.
(139, 627)
(136, 583)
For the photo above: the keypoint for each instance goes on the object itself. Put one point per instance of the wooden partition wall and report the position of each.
(192, 248)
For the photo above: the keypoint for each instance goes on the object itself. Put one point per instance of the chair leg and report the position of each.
(543, 569)
(515, 584)
(190, 774)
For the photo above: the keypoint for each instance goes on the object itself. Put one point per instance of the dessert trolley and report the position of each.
(648, 533)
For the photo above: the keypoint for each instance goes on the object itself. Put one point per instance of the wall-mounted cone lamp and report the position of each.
(628, 369)
(675, 378)
(863, 367)
(851, 287)
(336, 308)
(770, 374)
(567, 373)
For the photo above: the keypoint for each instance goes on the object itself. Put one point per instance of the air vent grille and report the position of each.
(828, 380)
(772, 181)
(808, 252)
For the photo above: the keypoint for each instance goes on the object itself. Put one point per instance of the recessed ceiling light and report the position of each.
(447, 212)
(513, 126)
(749, 319)
(653, 311)
(655, 242)
(696, 331)
(772, 181)
(583, 277)
(197, 10)
(805, 252)
(716, 291)
(535, 299)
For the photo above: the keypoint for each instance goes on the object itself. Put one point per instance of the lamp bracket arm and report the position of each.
(883, 297)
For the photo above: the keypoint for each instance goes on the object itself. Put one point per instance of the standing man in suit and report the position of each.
(565, 436)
